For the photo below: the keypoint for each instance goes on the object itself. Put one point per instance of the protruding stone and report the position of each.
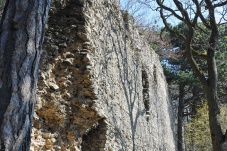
(83, 36)
(68, 62)
(53, 86)
(46, 135)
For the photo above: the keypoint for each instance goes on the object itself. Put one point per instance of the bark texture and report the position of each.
(180, 141)
(22, 33)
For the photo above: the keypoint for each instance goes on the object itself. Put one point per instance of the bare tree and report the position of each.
(192, 13)
(21, 38)
(139, 10)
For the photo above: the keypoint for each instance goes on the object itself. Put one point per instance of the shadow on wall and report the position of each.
(129, 87)
(95, 139)
(129, 82)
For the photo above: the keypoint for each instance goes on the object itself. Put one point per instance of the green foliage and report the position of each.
(177, 70)
(154, 46)
(175, 40)
(199, 44)
(2, 2)
(221, 56)
(186, 76)
(197, 131)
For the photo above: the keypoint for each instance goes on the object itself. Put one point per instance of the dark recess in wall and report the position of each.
(145, 84)
(95, 139)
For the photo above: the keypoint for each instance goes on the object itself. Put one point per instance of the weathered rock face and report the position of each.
(100, 85)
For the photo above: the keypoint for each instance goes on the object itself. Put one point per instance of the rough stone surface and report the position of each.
(100, 86)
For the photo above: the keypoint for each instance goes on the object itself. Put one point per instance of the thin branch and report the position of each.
(191, 59)
(168, 27)
(220, 4)
(170, 10)
(183, 12)
(198, 7)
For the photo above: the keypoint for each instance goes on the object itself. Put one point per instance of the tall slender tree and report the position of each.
(184, 92)
(21, 38)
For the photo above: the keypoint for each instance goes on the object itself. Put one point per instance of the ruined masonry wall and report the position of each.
(100, 85)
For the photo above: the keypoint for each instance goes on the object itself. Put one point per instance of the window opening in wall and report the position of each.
(145, 84)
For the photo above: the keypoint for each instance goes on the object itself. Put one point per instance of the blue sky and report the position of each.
(151, 17)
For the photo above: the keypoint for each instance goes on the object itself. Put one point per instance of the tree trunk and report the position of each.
(210, 86)
(214, 121)
(21, 38)
(180, 144)
(214, 112)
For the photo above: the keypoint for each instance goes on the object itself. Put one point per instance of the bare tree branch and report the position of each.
(199, 12)
(220, 4)
(170, 10)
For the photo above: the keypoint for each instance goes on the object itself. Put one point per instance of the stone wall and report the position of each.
(100, 86)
